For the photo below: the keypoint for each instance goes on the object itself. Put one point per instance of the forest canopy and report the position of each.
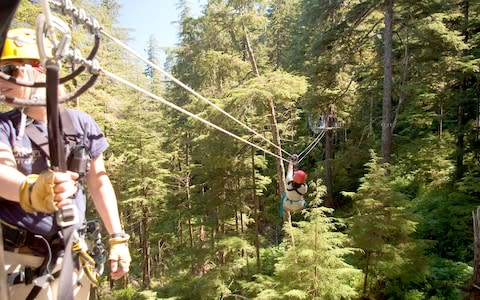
(380, 98)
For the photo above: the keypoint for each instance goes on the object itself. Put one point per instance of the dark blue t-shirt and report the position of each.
(31, 159)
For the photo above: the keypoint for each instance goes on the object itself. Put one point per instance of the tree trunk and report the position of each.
(365, 276)
(475, 286)
(403, 84)
(187, 192)
(460, 144)
(159, 267)
(146, 247)
(387, 83)
(256, 201)
(147, 259)
(273, 120)
(276, 141)
(440, 125)
(251, 56)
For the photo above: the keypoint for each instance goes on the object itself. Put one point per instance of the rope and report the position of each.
(66, 217)
(310, 147)
(189, 89)
(176, 107)
(48, 21)
(93, 26)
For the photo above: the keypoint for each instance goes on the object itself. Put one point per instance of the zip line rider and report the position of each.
(295, 188)
(30, 193)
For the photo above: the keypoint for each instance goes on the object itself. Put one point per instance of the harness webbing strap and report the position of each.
(294, 189)
(39, 138)
(34, 292)
(40, 283)
(65, 285)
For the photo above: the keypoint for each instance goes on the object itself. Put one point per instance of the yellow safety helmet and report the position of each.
(20, 43)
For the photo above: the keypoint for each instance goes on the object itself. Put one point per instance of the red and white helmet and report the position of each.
(299, 177)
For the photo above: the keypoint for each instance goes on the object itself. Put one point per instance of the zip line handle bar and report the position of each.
(67, 215)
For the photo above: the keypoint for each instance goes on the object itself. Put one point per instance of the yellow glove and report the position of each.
(119, 255)
(37, 194)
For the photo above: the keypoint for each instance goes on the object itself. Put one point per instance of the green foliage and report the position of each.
(470, 184)
(313, 266)
(210, 286)
(281, 87)
(447, 278)
(270, 257)
(193, 186)
(130, 293)
(382, 227)
(446, 220)
(261, 287)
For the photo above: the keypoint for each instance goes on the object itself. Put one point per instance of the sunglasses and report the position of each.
(10, 70)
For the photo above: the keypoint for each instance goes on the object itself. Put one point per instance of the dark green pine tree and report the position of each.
(139, 164)
(314, 265)
(311, 263)
(382, 227)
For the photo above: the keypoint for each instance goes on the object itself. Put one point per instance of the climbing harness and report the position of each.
(93, 258)
(50, 28)
(302, 203)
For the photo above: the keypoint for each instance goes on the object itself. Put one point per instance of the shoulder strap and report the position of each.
(39, 138)
(14, 116)
(67, 124)
(294, 189)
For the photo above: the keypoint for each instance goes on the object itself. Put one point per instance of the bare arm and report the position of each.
(10, 178)
(103, 195)
(106, 204)
(289, 176)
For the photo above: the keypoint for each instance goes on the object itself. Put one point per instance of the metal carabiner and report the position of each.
(46, 33)
(67, 216)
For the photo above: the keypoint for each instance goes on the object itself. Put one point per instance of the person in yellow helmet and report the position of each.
(30, 193)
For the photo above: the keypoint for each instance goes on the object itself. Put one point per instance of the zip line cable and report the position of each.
(80, 16)
(189, 89)
(311, 146)
(176, 107)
